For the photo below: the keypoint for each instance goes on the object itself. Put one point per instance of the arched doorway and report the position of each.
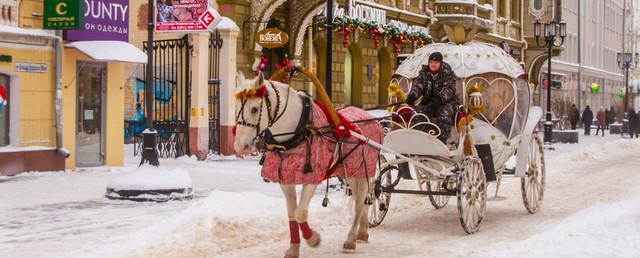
(354, 79)
(348, 77)
(385, 73)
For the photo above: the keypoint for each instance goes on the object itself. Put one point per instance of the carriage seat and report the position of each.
(417, 142)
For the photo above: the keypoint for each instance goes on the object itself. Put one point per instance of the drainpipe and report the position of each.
(58, 46)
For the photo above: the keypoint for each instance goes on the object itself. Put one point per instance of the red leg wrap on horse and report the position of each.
(295, 234)
(306, 230)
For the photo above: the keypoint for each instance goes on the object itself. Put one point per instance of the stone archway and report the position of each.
(298, 38)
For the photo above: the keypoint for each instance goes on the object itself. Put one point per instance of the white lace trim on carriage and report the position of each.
(466, 60)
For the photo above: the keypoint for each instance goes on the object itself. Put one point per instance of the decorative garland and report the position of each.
(282, 53)
(345, 25)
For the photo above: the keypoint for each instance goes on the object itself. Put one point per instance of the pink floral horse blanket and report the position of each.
(288, 167)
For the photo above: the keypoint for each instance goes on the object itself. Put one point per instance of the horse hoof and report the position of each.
(314, 240)
(293, 251)
(363, 238)
(349, 247)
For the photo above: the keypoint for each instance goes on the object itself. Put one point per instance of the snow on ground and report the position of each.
(591, 209)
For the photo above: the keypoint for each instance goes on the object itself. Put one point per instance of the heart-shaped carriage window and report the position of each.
(498, 95)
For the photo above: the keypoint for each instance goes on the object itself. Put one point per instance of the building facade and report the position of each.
(587, 72)
(56, 88)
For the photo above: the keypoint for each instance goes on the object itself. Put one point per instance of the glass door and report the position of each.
(4, 110)
(89, 118)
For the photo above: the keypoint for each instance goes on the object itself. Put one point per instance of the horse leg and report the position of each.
(363, 230)
(289, 192)
(359, 192)
(312, 237)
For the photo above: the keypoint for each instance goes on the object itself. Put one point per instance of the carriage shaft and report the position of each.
(416, 163)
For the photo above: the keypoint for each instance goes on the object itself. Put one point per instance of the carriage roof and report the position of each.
(466, 60)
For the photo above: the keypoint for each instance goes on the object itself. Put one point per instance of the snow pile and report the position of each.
(596, 152)
(221, 222)
(148, 177)
(603, 230)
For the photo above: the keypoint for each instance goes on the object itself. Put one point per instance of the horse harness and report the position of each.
(266, 138)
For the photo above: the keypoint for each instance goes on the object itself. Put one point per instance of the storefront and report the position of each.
(363, 55)
(93, 82)
(27, 94)
(86, 129)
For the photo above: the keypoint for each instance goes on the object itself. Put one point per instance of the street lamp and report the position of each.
(627, 60)
(551, 29)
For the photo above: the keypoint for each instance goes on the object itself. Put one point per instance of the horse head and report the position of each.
(251, 116)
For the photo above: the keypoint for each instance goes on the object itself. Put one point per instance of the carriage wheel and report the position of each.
(438, 201)
(472, 194)
(533, 183)
(381, 200)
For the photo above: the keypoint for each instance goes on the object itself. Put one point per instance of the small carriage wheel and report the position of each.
(472, 194)
(438, 201)
(533, 183)
(381, 200)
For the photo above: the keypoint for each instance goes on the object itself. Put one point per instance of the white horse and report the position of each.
(270, 109)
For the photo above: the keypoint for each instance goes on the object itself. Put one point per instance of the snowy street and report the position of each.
(591, 208)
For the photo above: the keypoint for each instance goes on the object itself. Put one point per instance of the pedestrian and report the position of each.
(602, 121)
(574, 116)
(587, 119)
(607, 113)
(634, 123)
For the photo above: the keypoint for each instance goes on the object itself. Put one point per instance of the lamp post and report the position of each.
(149, 136)
(551, 30)
(626, 61)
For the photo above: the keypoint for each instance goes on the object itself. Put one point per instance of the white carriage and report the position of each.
(502, 131)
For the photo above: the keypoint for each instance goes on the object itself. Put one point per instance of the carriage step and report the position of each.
(509, 171)
(419, 192)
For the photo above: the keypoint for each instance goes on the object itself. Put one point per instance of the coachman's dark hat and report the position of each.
(436, 56)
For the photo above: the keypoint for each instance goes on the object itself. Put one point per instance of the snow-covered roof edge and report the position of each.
(27, 32)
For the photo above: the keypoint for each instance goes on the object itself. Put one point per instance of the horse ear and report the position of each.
(259, 80)
(239, 79)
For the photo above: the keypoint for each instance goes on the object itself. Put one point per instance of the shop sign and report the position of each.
(62, 14)
(272, 38)
(103, 20)
(6, 58)
(185, 15)
(364, 12)
(31, 67)
(410, 28)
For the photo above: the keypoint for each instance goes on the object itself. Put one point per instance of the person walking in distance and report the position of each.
(574, 116)
(587, 118)
(602, 121)
(634, 123)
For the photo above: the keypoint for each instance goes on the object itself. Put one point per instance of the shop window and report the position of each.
(4, 110)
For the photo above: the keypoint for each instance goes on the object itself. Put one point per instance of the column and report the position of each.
(199, 120)
(229, 32)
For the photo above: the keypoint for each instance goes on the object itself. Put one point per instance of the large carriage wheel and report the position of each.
(438, 201)
(472, 194)
(533, 183)
(381, 200)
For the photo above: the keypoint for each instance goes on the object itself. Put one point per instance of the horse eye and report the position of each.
(254, 110)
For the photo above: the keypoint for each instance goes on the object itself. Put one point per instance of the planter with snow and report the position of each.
(149, 183)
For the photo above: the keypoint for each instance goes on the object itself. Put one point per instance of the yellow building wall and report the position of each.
(114, 123)
(114, 108)
(36, 95)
